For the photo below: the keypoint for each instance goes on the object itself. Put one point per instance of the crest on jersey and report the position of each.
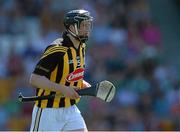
(76, 75)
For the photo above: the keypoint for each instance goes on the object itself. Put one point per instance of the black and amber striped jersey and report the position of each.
(61, 63)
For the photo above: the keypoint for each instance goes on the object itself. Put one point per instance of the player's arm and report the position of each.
(39, 78)
(44, 83)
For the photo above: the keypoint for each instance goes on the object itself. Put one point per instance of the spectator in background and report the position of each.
(14, 64)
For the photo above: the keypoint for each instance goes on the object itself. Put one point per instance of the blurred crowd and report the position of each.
(125, 47)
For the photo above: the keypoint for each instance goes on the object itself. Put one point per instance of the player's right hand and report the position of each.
(69, 92)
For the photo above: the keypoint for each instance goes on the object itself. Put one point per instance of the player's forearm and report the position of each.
(44, 83)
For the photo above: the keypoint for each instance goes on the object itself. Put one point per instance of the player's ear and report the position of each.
(71, 28)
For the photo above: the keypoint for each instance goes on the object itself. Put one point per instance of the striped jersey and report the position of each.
(61, 63)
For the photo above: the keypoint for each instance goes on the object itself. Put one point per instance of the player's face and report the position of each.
(85, 28)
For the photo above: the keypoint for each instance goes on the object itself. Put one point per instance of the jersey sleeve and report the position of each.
(49, 60)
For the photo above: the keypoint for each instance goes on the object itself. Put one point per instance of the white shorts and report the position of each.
(57, 119)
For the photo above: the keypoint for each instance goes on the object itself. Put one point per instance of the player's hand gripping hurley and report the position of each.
(103, 90)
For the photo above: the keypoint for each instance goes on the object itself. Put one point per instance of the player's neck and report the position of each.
(76, 42)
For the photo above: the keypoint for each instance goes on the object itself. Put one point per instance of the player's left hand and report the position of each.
(85, 84)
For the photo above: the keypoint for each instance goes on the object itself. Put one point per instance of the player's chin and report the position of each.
(86, 35)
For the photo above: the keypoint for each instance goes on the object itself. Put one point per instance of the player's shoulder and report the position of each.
(56, 45)
(55, 48)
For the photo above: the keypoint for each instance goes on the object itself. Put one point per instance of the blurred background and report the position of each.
(134, 43)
